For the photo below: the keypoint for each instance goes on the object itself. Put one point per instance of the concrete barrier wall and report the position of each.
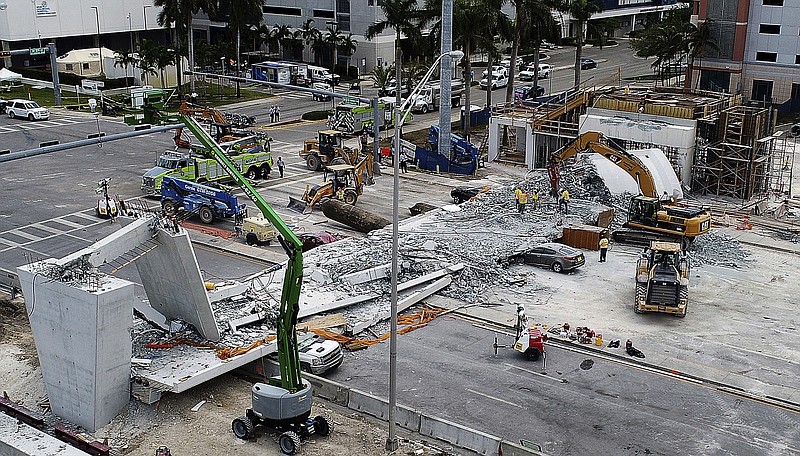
(414, 421)
(462, 436)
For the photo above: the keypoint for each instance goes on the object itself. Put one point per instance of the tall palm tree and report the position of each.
(541, 26)
(241, 13)
(520, 24)
(581, 11)
(148, 55)
(697, 40)
(163, 58)
(347, 47)
(498, 27)
(319, 47)
(307, 34)
(402, 16)
(333, 38)
(283, 35)
(125, 60)
(182, 12)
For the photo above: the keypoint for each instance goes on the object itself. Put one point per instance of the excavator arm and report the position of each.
(593, 141)
(288, 355)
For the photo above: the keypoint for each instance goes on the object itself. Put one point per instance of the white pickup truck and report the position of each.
(317, 354)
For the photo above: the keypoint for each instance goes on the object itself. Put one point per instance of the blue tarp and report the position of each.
(465, 155)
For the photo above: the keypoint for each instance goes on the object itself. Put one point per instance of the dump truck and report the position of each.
(326, 150)
(209, 203)
(251, 155)
(662, 279)
(429, 97)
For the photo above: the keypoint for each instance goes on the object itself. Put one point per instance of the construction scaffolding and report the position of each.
(735, 154)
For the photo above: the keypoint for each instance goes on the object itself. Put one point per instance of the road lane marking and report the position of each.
(494, 398)
(559, 380)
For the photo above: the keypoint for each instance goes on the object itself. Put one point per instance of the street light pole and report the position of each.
(130, 30)
(99, 45)
(400, 114)
(144, 14)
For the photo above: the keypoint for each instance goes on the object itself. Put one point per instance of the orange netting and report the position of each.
(230, 352)
(413, 321)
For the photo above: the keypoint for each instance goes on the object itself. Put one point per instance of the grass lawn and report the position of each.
(43, 96)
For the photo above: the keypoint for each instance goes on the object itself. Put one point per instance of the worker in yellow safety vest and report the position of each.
(603, 248)
(564, 200)
(522, 199)
(535, 198)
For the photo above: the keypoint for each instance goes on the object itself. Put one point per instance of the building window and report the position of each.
(344, 22)
(326, 14)
(370, 2)
(343, 6)
(762, 90)
(68, 66)
(85, 66)
(770, 29)
(766, 56)
(773, 2)
(283, 11)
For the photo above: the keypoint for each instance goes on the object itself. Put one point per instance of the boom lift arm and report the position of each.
(593, 141)
(288, 355)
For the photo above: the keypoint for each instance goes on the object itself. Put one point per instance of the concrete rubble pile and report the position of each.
(719, 249)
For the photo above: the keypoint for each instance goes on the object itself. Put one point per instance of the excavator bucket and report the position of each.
(297, 205)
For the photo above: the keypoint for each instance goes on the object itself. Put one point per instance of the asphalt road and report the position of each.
(578, 405)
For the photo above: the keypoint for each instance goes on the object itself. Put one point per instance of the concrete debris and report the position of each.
(718, 248)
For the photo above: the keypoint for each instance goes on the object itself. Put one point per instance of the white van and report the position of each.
(320, 74)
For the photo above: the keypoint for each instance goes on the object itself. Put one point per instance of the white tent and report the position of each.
(86, 62)
(8, 75)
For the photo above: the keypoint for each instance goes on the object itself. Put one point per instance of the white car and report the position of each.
(496, 69)
(545, 70)
(506, 62)
(498, 80)
(26, 109)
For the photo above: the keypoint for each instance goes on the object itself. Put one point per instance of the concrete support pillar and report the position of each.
(530, 146)
(81, 333)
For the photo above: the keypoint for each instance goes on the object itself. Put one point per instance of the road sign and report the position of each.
(4, 54)
(38, 51)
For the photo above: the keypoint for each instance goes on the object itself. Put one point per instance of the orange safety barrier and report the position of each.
(230, 352)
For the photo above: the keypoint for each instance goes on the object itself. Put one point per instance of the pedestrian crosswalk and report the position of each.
(69, 224)
(42, 124)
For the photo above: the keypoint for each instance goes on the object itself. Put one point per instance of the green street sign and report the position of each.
(38, 51)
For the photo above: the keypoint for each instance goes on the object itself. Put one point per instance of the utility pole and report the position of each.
(445, 79)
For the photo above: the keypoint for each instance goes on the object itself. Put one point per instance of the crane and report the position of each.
(283, 403)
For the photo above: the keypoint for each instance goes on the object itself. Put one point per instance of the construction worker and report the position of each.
(564, 200)
(535, 198)
(517, 195)
(522, 200)
(603, 248)
(281, 165)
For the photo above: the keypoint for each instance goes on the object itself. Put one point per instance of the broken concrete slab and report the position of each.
(368, 275)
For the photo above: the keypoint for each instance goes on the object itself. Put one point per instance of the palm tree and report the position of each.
(497, 27)
(697, 40)
(333, 37)
(520, 24)
(162, 59)
(380, 76)
(347, 46)
(125, 60)
(402, 16)
(541, 25)
(240, 13)
(581, 11)
(182, 12)
(148, 56)
(308, 35)
(282, 34)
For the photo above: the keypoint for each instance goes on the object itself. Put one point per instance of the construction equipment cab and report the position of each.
(649, 218)
(327, 149)
(208, 203)
(343, 182)
(662, 279)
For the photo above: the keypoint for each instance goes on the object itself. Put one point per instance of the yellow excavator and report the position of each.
(342, 181)
(649, 218)
(220, 127)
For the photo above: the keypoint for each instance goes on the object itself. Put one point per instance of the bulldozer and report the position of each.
(342, 181)
(327, 149)
(662, 279)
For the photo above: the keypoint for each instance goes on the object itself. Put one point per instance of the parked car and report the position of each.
(546, 45)
(506, 62)
(354, 89)
(26, 109)
(461, 194)
(495, 69)
(527, 92)
(319, 96)
(588, 64)
(498, 80)
(391, 89)
(558, 257)
(545, 70)
(3, 104)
